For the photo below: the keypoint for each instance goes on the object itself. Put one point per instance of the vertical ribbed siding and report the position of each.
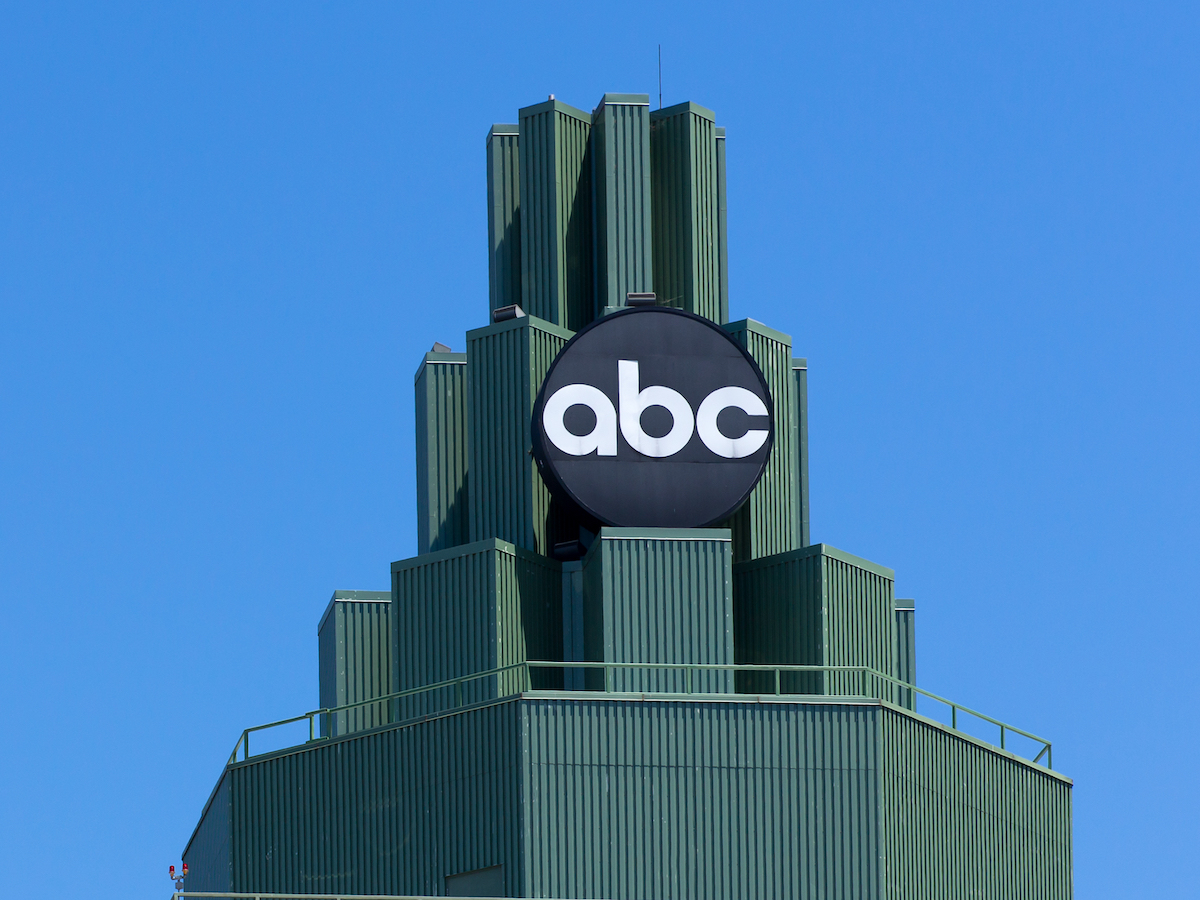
(960, 820)
(529, 591)
(722, 226)
(777, 621)
(621, 151)
(906, 649)
(390, 812)
(646, 799)
(440, 389)
(504, 215)
(208, 852)
(659, 596)
(572, 615)
(860, 618)
(800, 430)
(816, 606)
(506, 364)
(556, 214)
(686, 205)
(354, 642)
(766, 524)
(471, 609)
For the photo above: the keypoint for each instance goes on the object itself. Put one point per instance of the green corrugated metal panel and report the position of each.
(390, 812)
(440, 387)
(800, 430)
(556, 214)
(506, 364)
(354, 642)
(962, 820)
(686, 202)
(471, 609)
(722, 225)
(599, 795)
(906, 649)
(767, 522)
(621, 148)
(647, 799)
(572, 606)
(208, 852)
(504, 215)
(662, 596)
(816, 606)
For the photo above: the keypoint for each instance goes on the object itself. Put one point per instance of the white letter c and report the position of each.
(706, 422)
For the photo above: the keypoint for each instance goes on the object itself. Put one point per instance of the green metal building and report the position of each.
(542, 707)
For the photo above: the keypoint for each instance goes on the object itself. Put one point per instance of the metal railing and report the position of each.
(217, 895)
(871, 684)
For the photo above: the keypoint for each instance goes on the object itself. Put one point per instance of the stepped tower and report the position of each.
(555, 701)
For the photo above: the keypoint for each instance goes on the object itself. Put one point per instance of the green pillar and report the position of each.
(817, 606)
(658, 595)
(471, 609)
(440, 386)
(556, 214)
(621, 148)
(504, 215)
(354, 644)
(686, 201)
(506, 364)
(767, 523)
(800, 428)
(722, 226)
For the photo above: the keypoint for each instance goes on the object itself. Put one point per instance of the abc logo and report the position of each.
(653, 417)
(634, 401)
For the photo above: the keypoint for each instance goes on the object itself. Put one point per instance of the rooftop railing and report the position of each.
(802, 683)
(216, 895)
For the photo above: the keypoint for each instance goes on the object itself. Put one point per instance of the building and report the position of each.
(545, 706)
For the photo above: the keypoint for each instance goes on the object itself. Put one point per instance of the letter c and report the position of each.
(706, 422)
(602, 439)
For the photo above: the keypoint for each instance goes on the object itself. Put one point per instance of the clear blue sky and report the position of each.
(228, 233)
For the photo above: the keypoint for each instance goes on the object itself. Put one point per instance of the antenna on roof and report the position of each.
(660, 76)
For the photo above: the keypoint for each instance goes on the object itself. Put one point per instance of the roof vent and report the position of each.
(646, 299)
(439, 347)
(504, 313)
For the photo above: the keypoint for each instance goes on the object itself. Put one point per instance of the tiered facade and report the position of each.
(676, 779)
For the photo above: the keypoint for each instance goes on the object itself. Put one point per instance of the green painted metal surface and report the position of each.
(504, 215)
(700, 800)
(354, 643)
(686, 210)
(621, 155)
(556, 214)
(963, 820)
(906, 649)
(722, 225)
(837, 791)
(799, 424)
(440, 388)
(208, 853)
(767, 523)
(609, 795)
(506, 364)
(470, 609)
(815, 606)
(658, 595)
(393, 812)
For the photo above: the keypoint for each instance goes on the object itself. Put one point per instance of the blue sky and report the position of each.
(228, 233)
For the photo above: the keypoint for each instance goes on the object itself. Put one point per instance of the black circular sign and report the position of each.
(654, 417)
